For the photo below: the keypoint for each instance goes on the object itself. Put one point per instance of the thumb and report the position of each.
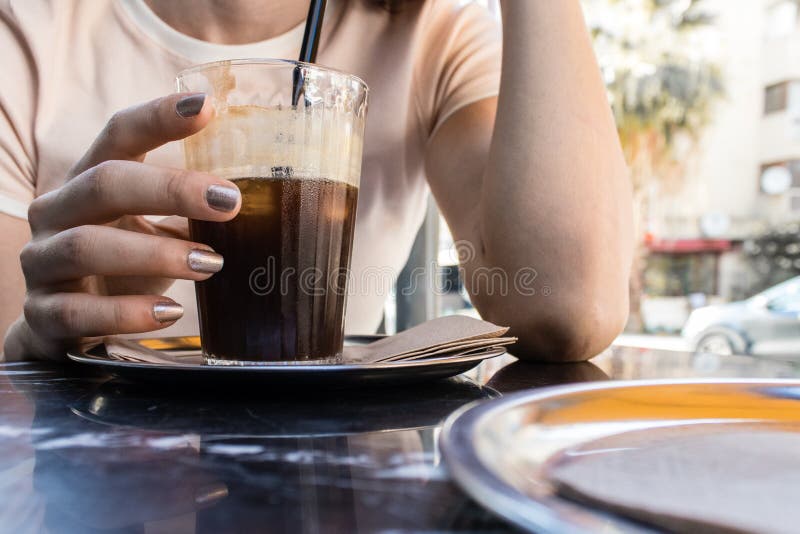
(131, 133)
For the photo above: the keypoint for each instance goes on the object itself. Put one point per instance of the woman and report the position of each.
(526, 167)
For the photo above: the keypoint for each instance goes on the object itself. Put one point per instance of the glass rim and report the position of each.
(273, 62)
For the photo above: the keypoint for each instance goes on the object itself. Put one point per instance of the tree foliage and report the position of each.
(661, 82)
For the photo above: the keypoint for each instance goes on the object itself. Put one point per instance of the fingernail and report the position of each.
(205, 261)
(222, 198)
(166, 312)
(189, 106)
(210, 493)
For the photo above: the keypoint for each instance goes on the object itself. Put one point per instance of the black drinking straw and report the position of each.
(308, 50)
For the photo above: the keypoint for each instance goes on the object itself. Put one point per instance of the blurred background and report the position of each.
(706, 95)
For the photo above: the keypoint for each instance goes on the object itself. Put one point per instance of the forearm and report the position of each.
(15, 234)
(555, 195)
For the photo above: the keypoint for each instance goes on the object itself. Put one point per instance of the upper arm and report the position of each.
(455, 165)
(457, 82)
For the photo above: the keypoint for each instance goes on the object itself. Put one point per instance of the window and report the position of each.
(776, 98)
(793, 166)
(788, 304)
(794, 170)
(794, 192)
(781, 19)
(674, 275)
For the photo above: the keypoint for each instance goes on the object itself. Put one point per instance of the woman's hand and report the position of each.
(94, 265)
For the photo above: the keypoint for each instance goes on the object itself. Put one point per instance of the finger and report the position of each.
(74, 315)
(131, 133)
(103, 250)
(116, 188)
(22, 343)
(173, 226)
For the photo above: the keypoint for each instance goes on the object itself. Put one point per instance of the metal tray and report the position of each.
(279, 374)
(497, 450)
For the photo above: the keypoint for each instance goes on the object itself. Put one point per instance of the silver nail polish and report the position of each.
(190, 105)
(222, 198)
(166, 312)
(204, 261)
(210, 493)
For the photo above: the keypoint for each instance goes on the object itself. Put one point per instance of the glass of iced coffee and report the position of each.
(290, 136)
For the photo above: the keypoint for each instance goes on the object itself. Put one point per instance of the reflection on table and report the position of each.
(90, 453)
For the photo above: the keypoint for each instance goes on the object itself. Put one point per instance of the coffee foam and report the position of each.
(251, 141)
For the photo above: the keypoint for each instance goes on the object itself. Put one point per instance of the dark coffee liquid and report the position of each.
(281, 292)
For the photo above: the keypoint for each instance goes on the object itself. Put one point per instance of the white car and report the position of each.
(765, 324)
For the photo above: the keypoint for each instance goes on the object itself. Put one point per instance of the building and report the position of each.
(745, 176)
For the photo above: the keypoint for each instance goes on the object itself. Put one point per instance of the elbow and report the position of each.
(575, 329)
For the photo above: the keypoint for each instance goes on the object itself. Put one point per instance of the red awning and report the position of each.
(687, 246)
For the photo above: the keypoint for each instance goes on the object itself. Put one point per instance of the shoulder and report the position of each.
(412, 13)
(31, 15)
(41, 23)
(452, 13)
(448, 26)
(51, 11)
(416, 25)
(26, 28)
(31, 24)
(416, 8)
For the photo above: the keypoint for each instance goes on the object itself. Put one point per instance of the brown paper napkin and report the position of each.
(694, 478)
(445, 337)
(128, 350)
(435, 338)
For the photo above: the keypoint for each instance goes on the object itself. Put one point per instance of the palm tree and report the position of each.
(662, 90)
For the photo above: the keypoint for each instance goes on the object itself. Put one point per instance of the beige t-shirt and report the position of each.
(68, 65)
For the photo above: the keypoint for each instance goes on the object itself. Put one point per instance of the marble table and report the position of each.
(85, 453)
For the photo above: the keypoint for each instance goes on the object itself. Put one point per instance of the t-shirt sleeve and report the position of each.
(17, 108)
(460, 60)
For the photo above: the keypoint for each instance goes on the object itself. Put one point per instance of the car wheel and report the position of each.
(716, 344)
